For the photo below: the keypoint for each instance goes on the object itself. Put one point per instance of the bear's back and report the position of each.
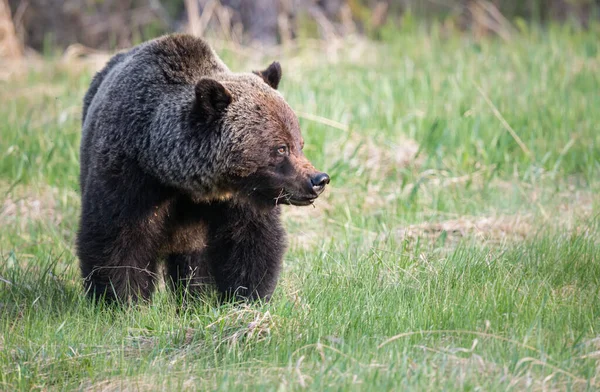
(183, 58)
(129, 88)
(174, 59)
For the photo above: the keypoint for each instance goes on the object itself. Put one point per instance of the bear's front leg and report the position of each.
(245, 250)
(120, 267)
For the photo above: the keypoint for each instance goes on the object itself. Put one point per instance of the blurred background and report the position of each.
(463, 217)
(49, 25)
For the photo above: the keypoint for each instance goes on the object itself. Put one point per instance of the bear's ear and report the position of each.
(212, 98)
(271, 75)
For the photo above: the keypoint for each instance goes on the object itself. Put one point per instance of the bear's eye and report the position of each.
(282, 150)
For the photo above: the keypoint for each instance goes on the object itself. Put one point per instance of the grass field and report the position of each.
(457, 248)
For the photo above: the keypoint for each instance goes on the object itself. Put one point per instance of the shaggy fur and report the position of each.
(184, 161)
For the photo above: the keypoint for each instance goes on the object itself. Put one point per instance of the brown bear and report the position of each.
(186, 162)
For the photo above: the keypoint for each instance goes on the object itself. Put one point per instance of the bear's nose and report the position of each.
(319, 181)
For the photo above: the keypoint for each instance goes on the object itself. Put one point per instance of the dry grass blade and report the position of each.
(320, 346)
(535, 361)
(458, 332)
(502, 120)
(323, 120)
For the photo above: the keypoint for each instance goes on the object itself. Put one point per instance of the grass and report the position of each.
(457, 248)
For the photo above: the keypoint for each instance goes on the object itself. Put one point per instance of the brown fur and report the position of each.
(184, 161)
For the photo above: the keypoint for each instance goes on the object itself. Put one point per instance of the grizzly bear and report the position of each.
(186, 162)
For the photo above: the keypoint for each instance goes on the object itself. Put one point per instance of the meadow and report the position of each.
(457, 247)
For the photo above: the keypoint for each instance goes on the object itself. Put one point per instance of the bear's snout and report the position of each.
(318, 182)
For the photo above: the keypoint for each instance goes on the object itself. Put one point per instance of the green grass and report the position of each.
(445, 255)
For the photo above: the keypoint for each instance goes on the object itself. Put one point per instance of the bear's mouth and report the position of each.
(302, 202)
(289, 198)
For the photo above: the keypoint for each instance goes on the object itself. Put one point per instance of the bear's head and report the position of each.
(260, 139)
